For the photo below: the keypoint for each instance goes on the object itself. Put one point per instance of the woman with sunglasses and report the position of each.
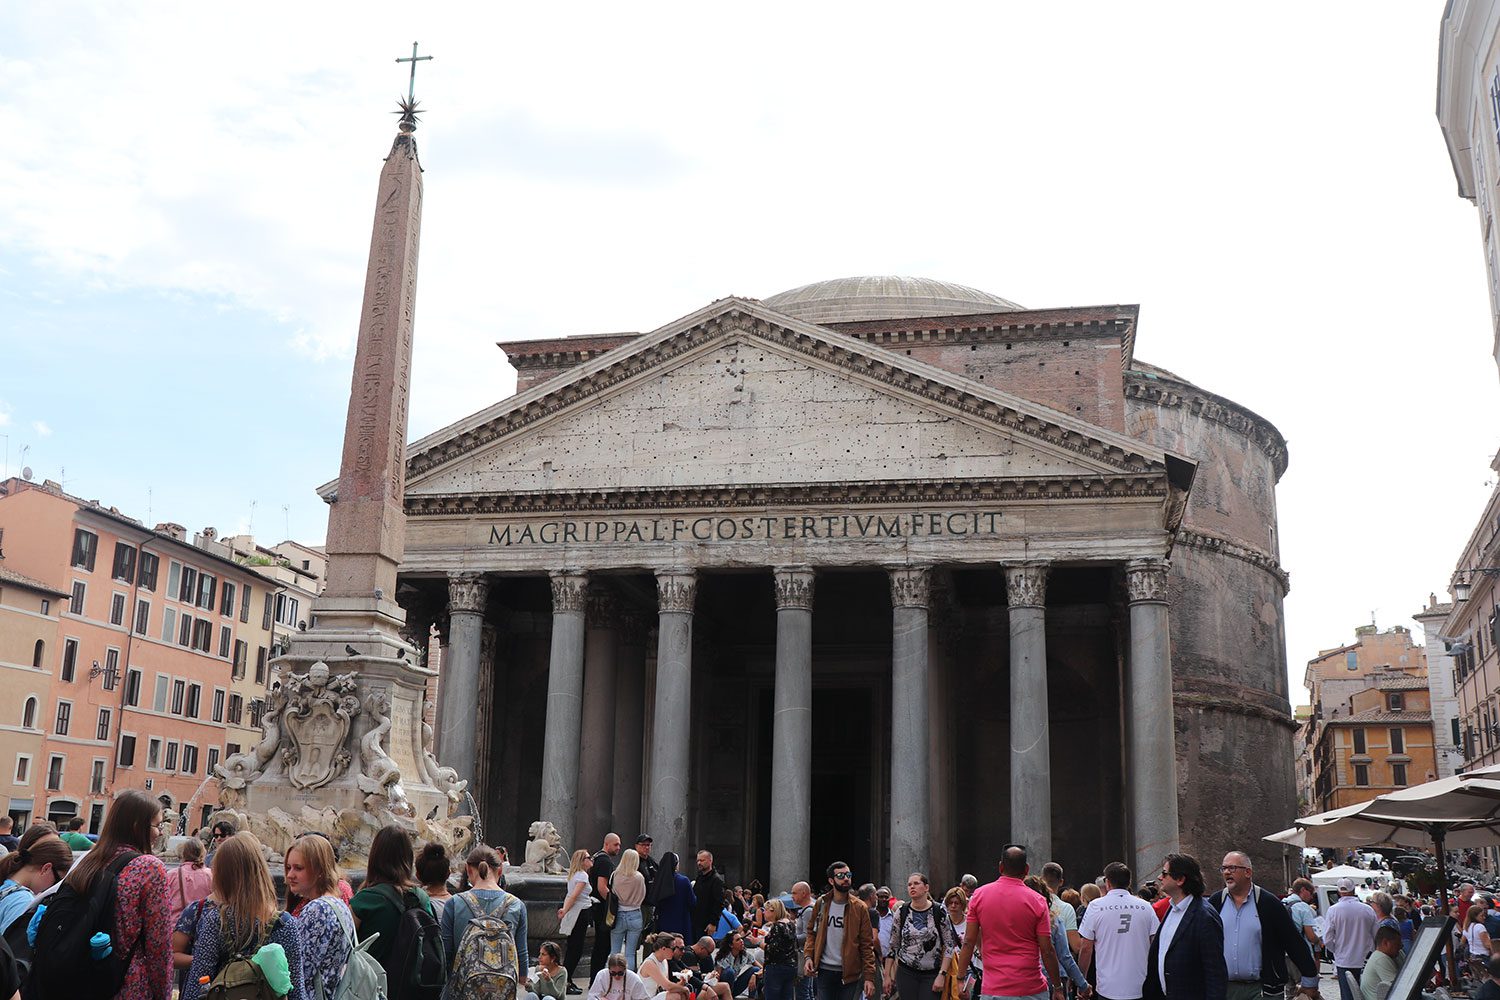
(656, 976)
(222, 831)
(615, 982)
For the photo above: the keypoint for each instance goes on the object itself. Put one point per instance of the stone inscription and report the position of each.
(761, 527)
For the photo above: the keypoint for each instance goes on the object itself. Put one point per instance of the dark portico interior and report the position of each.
(734, 634)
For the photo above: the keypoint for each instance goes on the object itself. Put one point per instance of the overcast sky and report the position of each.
(186, 195)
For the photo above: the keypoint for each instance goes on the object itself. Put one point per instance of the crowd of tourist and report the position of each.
(213, 926)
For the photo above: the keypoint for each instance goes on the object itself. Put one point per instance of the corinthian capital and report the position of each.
(676, 590)
(1146, 581)
(794, 587)
(1026, 585)
(910, 586)
(569, 591)
(467, 592)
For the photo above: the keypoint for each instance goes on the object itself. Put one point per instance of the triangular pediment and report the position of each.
(739, 395)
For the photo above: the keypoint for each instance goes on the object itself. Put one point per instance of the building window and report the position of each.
(75, 603)
(245, 604)
(189, 588)
(28, 714)
(265, 615)
(224, 641)
(194, 700)
(218, 714)
(189, 759)
(1398, 741)
(185, 630)
(168, 624)
(203, 634)
(153, 754)
(236, 710)
(1398, 775)
(1394, 701)
(238, 669)
(102, 733)
(55, 773)
(96, 778)
(206, 586)
(133, 688)
(117, 609)
(159, 700)
(260, 665)
(85, 547)
(23, 768)
(1359, 741)
(174, 578)
(226, 599)
(286, 610)
(1457, 739)
(149, 565)
(213, 762)
(142, 616)
(38, 654)
(179, 693)
(70, 659)
(124, 565)
(171, 761)
(127, 750)
(1351, 660)
(257, 707)
(64, 716)
(111, 669)
(46, 604)
(1361, 774)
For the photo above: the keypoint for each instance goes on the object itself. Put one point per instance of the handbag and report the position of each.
(612, 908)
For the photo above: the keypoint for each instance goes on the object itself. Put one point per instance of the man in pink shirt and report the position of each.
(1012, 927)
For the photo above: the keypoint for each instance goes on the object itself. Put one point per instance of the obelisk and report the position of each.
(352, 674)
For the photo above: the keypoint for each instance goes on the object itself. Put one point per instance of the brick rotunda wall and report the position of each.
(1233, 719)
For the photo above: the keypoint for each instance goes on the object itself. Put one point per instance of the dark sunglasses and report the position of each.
(617, 975)
(842, 876)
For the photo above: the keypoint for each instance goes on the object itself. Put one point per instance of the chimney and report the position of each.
(172, 530)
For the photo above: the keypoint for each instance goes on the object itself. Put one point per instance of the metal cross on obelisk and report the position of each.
(411, 94)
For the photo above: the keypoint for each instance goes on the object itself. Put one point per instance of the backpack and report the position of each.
(781, 944)
(240, 979)
(418, 967)
(62, 962)
(485, 961)
(363, 977)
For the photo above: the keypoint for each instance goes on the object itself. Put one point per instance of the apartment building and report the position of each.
(1379, 742)
(153, 635)
(29, 614)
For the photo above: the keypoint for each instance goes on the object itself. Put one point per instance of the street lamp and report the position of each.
(1463, 587)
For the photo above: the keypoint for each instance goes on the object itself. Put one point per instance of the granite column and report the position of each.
(458, 735)
(672, 717)
(630, 724)
(1153, 737)
(791, 731)
(596, 772)
(911, 826)
(564, 704)
(1030, 753)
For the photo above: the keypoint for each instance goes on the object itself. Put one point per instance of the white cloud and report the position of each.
(41, 428)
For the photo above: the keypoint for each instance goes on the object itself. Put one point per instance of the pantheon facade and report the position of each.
(883, 570)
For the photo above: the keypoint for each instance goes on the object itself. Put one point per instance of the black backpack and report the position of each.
(418, 966)
(62, 963)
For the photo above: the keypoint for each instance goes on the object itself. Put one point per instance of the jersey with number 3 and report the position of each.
(1121, 926)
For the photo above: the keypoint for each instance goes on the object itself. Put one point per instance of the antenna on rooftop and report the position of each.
(250, 530)
(286, 514)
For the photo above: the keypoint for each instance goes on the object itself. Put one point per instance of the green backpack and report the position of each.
(241, 978)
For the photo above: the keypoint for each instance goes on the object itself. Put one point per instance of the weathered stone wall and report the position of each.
(1233, 719)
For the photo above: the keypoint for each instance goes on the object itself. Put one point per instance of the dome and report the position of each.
(851, 300)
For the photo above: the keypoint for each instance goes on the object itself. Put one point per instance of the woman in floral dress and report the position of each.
(142, 927)
(327, 925)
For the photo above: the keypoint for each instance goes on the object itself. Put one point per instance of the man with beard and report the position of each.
(649, 868)
(708, 891)
(840, 947)
(604, 867)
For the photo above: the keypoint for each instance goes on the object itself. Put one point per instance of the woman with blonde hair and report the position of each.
(782, 953)
(572, 916)
(191, 882)
(628, 886)
(245, 920)
(312, 874)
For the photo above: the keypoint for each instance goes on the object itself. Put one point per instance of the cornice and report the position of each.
(845, 494)
(1161, 390)
(894, 373)
(1217, 703)
(1234, 550)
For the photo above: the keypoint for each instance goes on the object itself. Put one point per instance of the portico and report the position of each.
(810, 524)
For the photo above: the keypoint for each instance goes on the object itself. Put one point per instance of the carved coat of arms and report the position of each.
(320, 709)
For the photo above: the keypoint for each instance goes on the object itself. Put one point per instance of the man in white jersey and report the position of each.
(1116, 933)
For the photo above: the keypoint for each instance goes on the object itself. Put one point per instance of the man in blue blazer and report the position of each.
(1187, 955)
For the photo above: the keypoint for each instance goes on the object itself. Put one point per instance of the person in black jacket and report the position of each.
(1259, 936)
(709, 892)
(1192, 965)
